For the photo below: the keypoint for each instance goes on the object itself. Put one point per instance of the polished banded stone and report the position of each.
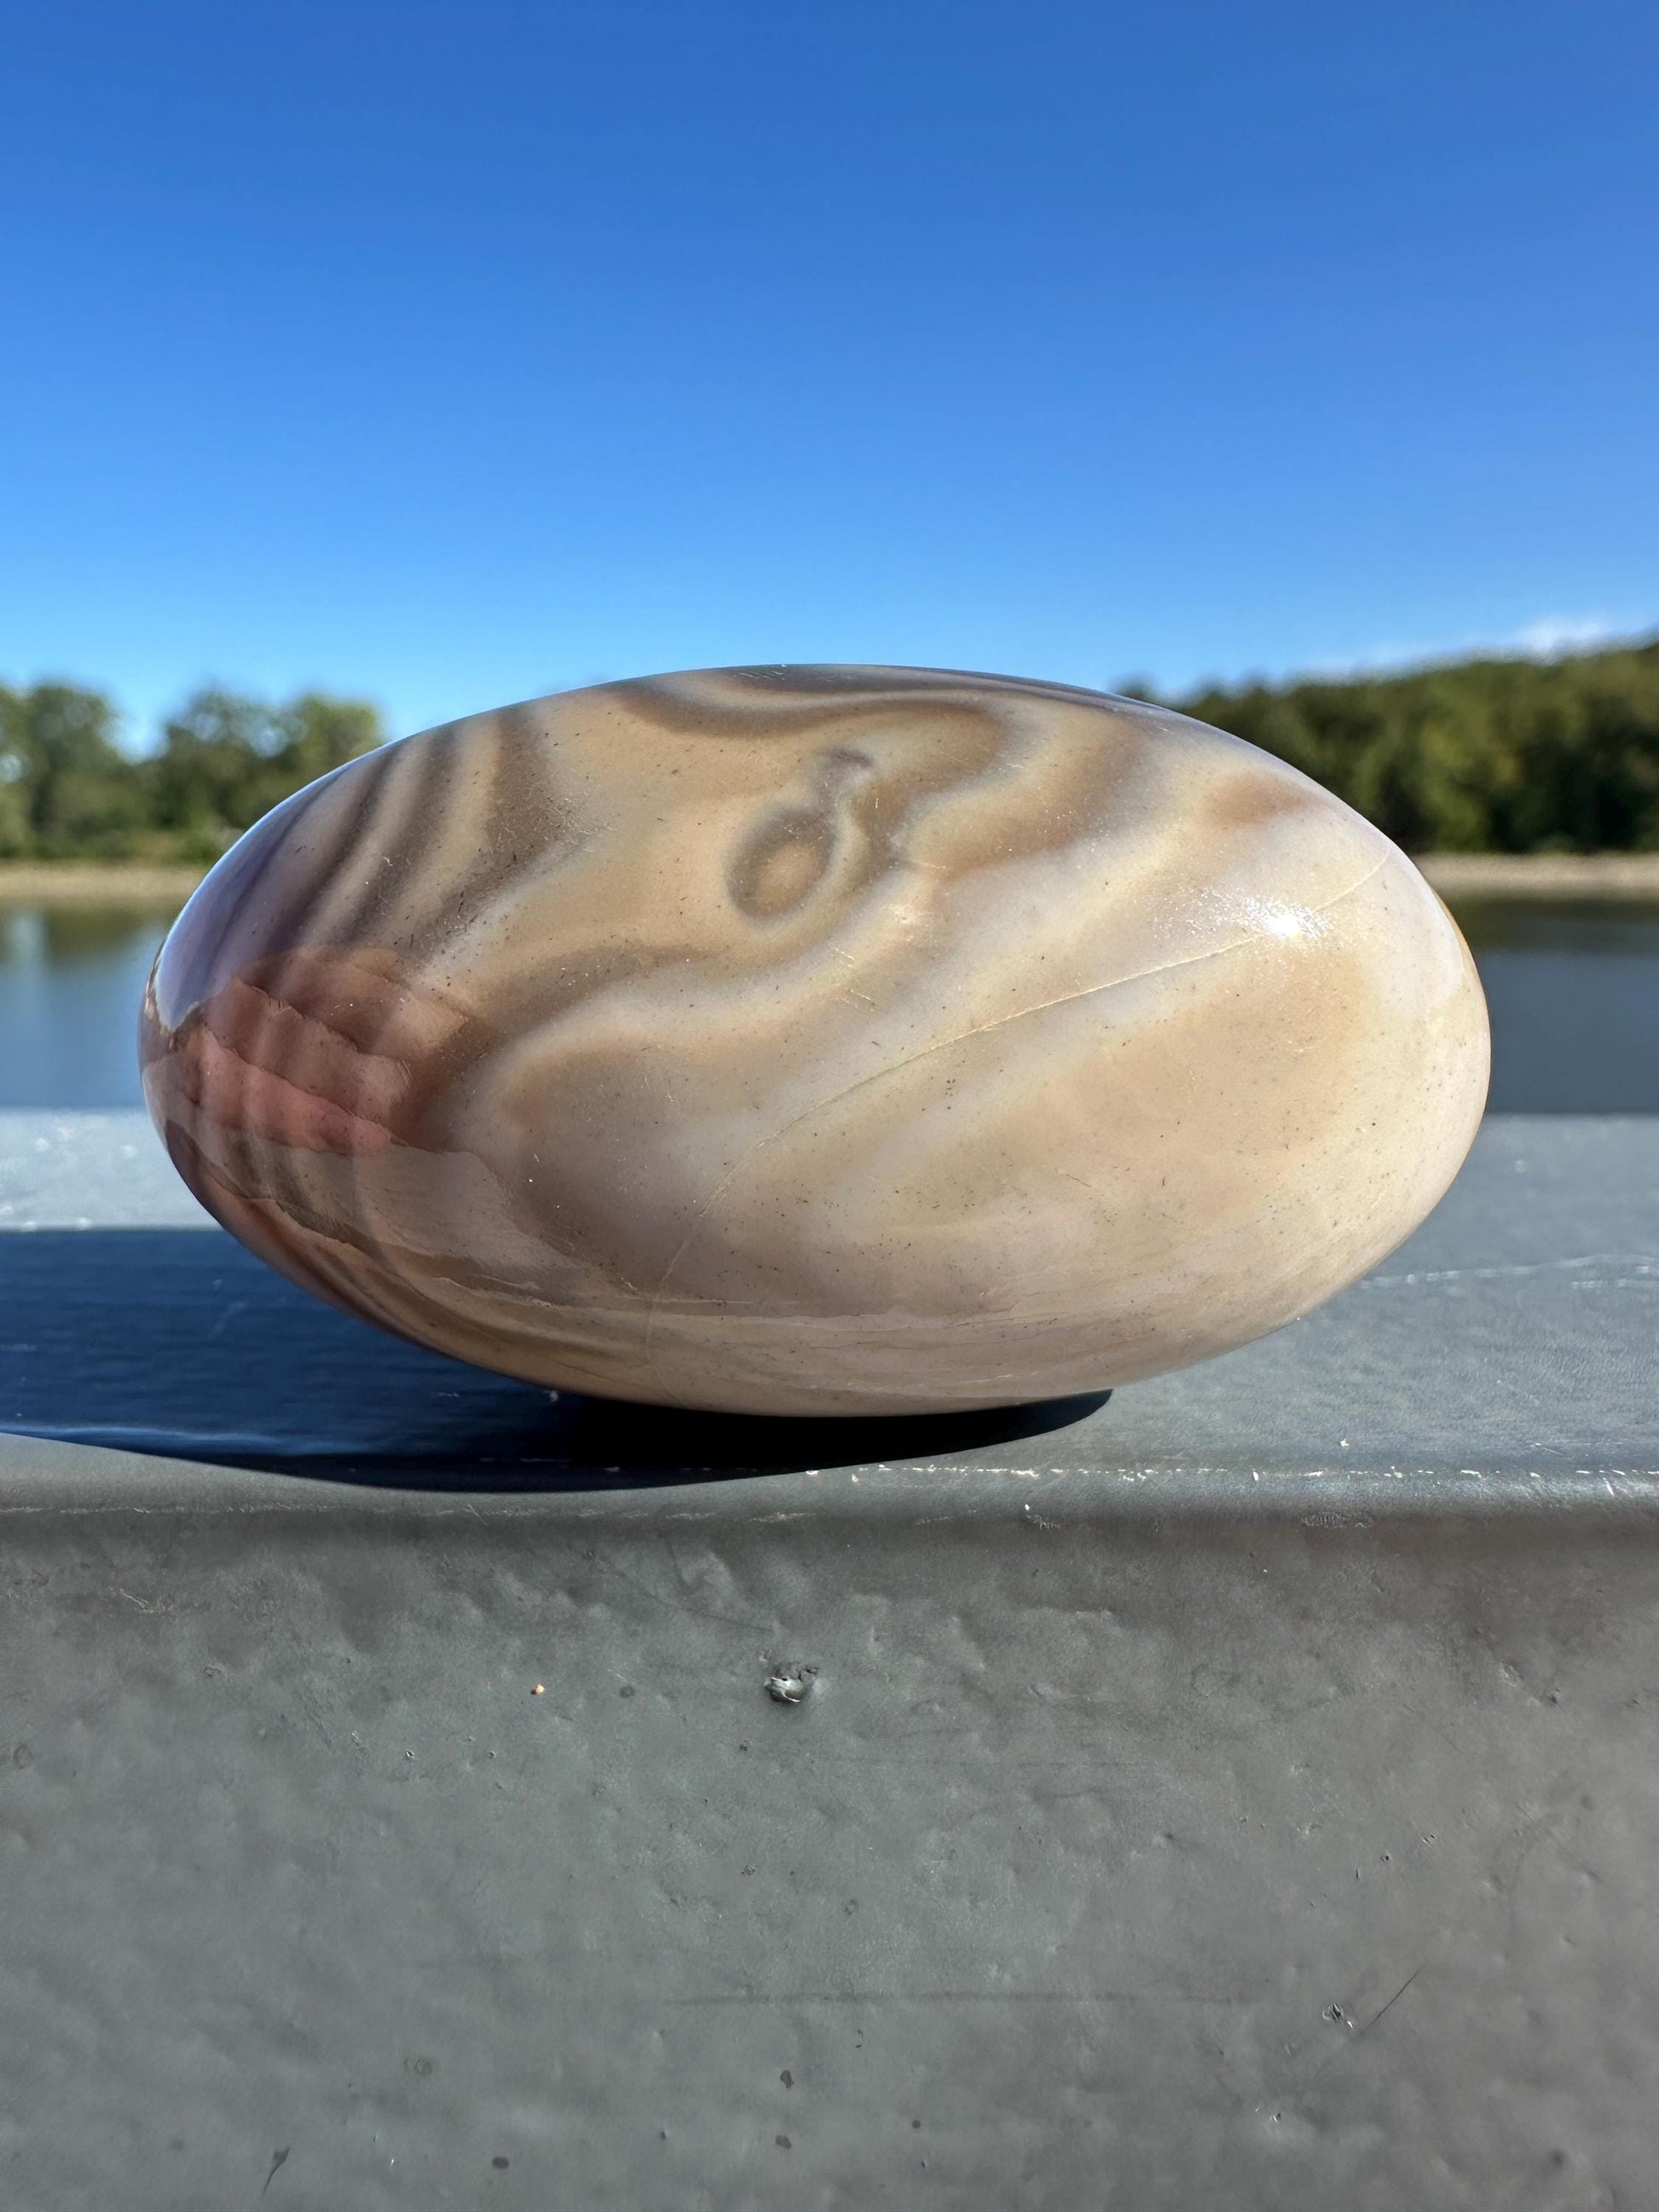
(818, 1040)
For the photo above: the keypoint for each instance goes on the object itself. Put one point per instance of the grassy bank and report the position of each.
(93, 882)
(1543, 875)
(1454, 875)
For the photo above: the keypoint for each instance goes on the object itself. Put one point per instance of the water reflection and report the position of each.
(1625, 928)
(70, 980)
(1573, 987)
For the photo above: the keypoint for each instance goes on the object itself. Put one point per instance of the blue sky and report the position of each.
(450, 353)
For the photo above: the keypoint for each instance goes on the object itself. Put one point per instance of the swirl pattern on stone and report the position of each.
(818, 1040)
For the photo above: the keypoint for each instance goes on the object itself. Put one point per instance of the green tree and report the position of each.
(69, 790)
(1508, 756)
(1511, 755)
(15, 833)
(226, 759)
(316, 733)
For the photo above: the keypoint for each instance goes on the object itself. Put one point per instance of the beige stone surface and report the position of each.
(819, 1040)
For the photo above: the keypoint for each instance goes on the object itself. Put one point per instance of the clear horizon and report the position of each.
(446, 355)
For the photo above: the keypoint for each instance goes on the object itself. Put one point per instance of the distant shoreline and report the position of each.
(1454, 875)
(96, 883)
(1543, 875)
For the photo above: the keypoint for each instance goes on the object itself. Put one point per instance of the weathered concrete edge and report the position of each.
(40, 1476)
(117, 1174)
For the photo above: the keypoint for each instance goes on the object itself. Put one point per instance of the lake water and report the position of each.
(71, 979)
(1573, 987)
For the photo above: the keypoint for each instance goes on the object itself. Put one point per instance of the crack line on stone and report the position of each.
(945, 1044)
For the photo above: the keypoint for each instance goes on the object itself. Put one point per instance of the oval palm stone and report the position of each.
(818, 1040)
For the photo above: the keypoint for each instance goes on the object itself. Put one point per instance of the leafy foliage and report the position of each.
(1481, 756)
(69, 791)
(1488, 755)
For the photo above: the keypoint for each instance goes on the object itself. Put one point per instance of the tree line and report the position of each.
(70, 791)
(1486, 755)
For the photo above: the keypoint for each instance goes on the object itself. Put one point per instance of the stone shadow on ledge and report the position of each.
(177, 1341)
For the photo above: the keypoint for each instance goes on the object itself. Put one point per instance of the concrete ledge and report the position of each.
(1509, 1342)
(1244, 1793)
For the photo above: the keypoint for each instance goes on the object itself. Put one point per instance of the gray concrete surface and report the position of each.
(1240, 1793)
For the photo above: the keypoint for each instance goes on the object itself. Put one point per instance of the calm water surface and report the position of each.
(1574, 990)
(70, 981)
